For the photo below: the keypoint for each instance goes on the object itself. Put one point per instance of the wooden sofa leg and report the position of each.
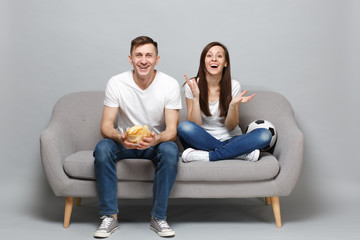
(78, 202)
(276, 208)
(69, 202)
(268, 200)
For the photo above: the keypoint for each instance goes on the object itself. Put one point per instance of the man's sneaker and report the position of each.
(161, 227)
(107, 226)
(190, 155)
(252, 157)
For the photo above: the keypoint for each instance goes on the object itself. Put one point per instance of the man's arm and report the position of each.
(171, 122)
(108, 130)
(107, 124)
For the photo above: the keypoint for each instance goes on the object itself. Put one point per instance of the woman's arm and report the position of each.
(193, 105)
(193, 111)
(232, 118)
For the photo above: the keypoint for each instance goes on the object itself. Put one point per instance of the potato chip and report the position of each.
(136, 133)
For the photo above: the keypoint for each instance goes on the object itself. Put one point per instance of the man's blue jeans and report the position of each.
(107, 152)
(192, 135)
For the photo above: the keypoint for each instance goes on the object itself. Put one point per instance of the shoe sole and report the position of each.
(256, 157)
(104, 235)
(165, 234)
(185, 153)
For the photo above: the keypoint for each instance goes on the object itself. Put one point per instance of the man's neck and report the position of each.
(144, 82)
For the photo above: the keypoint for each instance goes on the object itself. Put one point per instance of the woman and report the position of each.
(212, 99)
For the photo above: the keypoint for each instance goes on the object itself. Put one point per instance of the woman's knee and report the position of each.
(185, 127)
(265, 135)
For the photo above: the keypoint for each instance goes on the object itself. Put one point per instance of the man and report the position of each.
(141, 96)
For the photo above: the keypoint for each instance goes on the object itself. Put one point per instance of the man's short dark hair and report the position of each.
(142, 40)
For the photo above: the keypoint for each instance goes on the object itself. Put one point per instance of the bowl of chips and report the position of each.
(136, 133)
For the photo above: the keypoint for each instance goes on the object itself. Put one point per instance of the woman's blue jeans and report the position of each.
(192, 135)
(107, 152)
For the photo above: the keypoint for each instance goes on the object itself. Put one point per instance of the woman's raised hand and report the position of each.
(241, 98)
(193, 86)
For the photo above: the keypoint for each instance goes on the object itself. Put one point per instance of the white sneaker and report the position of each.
(190, 155)
(252, 157)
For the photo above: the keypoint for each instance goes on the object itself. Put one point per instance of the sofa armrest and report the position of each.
(289, 151)
(56, 143)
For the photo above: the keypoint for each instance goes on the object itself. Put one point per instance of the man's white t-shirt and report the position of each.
(214, 124)
(137, 106)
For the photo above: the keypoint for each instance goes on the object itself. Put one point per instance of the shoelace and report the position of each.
(163, 223)
(247, 155)
(106, 222)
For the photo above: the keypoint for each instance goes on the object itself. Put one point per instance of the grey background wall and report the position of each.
(306, 50)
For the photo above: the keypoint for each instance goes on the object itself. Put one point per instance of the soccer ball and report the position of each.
(263, 124)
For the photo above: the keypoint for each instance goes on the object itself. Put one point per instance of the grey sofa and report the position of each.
(74, 130)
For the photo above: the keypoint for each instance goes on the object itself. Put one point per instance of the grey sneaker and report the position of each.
(161, 227)
(107, 226)
(252, 157)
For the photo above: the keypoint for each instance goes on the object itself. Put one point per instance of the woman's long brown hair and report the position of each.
(225, 83)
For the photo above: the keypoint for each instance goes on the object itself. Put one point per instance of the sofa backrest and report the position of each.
(81, 113)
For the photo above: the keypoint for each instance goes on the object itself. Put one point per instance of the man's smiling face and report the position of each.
(144, 59)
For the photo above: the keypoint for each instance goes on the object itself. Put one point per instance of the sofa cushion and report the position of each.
(81, 165)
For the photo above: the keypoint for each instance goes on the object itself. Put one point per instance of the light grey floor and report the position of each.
(312, 211)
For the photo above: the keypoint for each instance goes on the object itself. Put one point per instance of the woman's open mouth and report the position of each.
(214, 66)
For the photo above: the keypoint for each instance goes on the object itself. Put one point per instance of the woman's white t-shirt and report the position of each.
(214, 124)
(137, 106)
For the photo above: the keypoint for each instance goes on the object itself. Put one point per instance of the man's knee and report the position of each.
(169, 152)
(103, 150)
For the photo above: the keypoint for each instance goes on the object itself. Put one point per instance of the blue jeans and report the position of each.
(107, 152)
(192, 135)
